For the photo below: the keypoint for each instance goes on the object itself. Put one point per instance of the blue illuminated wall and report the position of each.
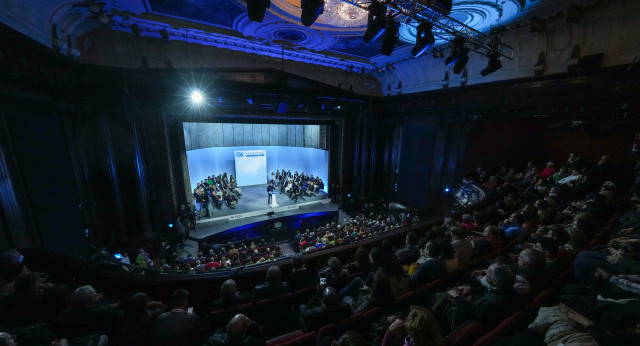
(207, 161)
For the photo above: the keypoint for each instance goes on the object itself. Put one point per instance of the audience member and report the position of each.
(433, 267)
(229, 296)
(178, 326)
(410, 252)
(300, 276)
(273, 287)
(323, 308)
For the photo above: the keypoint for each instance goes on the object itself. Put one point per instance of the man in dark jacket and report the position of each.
(323, 309)
(273, 287)
(178, 326)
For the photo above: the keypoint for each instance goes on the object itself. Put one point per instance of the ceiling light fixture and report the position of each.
(424, 39)
(311, 10)
(390, 37)
(257, 8)
(459, 55)
(376, 21)
(493, 65)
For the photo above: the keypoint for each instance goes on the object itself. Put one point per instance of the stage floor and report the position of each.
(253, 207)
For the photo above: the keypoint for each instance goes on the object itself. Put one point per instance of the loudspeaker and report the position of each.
(591, 62)
(270, 213)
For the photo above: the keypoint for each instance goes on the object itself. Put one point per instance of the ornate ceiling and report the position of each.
(334, 40)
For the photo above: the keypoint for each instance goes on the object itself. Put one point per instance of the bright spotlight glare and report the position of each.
(196, 96)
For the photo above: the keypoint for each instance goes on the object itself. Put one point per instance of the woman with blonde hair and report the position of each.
(420, 328)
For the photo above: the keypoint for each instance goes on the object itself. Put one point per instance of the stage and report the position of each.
(253, 217)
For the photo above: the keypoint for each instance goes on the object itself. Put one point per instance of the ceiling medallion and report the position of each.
(341, 14)
(350, 12)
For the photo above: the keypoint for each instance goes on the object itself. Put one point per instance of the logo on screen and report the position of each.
(239, 154)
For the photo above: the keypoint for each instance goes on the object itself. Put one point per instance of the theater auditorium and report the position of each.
(319, 172)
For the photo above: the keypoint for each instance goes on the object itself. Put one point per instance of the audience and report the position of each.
(544, 225)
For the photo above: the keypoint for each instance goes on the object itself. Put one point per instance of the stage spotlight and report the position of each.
(170, 225)
(257, 8)
(461, 63)
(376, 21)
(390, 37)
(458, 51)
(424, 39)
(117, 256)
(446, 189)
(311, 10)
(196, 97)
(493, 65)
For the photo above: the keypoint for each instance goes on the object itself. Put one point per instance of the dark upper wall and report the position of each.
(493, 142)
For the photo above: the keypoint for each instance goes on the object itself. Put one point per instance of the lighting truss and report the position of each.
(412, 13)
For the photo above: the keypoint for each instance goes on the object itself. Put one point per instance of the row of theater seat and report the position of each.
(473, 332)
(469, 333)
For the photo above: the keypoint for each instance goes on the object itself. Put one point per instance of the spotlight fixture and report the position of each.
(257, 8)
(493, 65)
(461, 63)
(311, 10)
(376, 21)
(390, 37)
(458, 51)
(196, 97)
(424, 39)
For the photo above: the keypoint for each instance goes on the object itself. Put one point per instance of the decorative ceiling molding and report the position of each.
(257, 46)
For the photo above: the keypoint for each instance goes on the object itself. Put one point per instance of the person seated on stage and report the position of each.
(310, 188)
(320, 186)
(216, 199)
(273, 287)
(233, 186)
(293, 191)
(230, 200)
(298, 193)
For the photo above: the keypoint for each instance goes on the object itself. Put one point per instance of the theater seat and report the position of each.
(275, 314)
(338, 328)
(505, 327)
(465, 334)
(307, 339)
(279, 340)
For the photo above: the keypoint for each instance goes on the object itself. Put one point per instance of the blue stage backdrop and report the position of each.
(208, 161)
